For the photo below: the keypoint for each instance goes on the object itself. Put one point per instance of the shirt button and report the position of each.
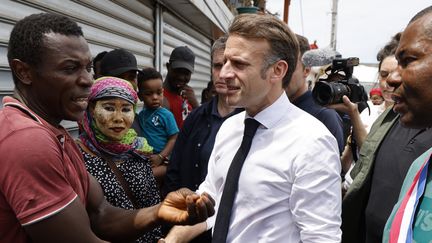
(196, 186)
(196, 165)
(208, 125)
(199, 145)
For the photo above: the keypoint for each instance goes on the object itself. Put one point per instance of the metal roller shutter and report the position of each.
(106, 25)
(150, 29)
(177, 32)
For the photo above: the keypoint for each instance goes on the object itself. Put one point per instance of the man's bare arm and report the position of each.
(76, 224)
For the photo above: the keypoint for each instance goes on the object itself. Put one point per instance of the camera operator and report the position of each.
(300, 96)
(336, 92)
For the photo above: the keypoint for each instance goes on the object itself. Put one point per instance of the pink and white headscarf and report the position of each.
(94, 139)
(113, 87)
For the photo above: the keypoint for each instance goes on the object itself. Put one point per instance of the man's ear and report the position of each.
(22, 71)
(280, 68)
(306, 71)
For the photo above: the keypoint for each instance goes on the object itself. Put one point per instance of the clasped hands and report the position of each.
(184, 207)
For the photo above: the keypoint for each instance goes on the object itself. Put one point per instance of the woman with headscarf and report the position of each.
(113, 152)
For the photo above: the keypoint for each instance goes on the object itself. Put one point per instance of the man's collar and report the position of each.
(271, 115)
(12, 102)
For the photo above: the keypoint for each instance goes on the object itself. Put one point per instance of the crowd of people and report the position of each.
(259, 160)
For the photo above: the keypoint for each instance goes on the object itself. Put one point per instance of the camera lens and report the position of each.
(326, 93)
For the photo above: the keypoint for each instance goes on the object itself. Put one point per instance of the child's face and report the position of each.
(151, 93)
(377, 99)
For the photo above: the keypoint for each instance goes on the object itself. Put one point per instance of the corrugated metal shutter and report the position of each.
(176, 32)
(106, 25)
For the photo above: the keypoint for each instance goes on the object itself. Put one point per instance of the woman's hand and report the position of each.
(358, 127)
(346, 106)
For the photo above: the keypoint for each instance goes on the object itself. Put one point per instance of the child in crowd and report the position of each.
(376, 96)
(158, 124)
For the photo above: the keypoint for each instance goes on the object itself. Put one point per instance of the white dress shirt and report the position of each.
(289, 186)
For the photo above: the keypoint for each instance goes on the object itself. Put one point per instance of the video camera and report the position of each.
(329, 91)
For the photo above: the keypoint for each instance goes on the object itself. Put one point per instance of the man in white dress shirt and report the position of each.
(289, 187)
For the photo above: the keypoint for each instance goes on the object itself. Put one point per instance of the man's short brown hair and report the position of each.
(283, 42)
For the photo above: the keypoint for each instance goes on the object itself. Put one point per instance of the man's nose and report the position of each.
(394, 78)
(226, 71)
(86, 79)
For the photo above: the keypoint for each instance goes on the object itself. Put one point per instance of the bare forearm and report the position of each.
(117, 224)
(351, 109)
(346, 158)
(166, 152)
(159, 173)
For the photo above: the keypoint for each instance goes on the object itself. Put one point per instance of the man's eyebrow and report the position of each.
(75, 62)
(70, 60)
(240, 60)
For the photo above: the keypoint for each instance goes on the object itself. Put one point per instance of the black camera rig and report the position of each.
(331, 89)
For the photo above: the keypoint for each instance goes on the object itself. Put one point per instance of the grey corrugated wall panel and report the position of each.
(106, 25)
(112, 24)
(178, 33)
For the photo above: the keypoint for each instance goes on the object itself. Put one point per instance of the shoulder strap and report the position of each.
(83, 147)
(123, 182)
(116, 172)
